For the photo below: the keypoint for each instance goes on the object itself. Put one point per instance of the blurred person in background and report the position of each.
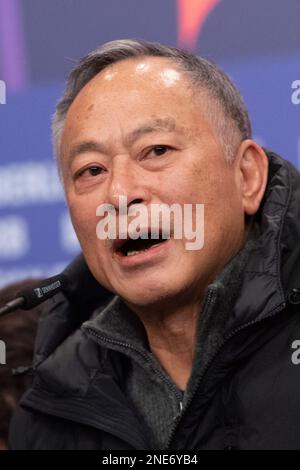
(18, 331)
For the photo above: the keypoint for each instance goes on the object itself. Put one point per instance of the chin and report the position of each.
(150, 293)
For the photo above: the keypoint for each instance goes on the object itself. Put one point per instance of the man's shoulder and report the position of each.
(37, 431)
(66, 358)
(60, 322)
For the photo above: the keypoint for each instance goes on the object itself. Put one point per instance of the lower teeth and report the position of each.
(131, 253)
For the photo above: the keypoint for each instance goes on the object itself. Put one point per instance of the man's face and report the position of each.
(137, 130)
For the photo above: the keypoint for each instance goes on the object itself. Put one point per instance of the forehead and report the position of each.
(135, 96)
(150, 81)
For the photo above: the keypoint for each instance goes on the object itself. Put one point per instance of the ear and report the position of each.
(252, 172)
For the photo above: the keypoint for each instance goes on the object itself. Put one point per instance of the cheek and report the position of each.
(84, 219)
(224, 222)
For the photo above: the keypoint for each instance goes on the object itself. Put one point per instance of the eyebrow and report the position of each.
(86, 146)
(155, 125)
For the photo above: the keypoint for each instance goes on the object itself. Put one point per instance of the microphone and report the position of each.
(76, 282)
(30, 297)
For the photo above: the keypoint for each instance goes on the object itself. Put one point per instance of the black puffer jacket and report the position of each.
(248, 395)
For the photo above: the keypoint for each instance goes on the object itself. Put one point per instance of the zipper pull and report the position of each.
(294, 296)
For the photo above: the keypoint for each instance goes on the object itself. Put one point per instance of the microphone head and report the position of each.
(77, 283)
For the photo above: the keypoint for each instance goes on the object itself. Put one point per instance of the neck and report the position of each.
(172, 338)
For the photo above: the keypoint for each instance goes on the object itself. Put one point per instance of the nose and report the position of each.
(126, 179)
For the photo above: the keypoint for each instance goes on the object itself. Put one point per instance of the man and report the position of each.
(194, 348)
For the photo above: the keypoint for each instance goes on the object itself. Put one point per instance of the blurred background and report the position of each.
(256, 42)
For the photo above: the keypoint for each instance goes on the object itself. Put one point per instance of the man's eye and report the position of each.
(94, 170)
(159, 150)
(91, 171)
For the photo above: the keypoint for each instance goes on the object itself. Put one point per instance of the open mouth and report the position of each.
(134, 247)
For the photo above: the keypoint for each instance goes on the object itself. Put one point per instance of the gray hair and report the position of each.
(228, 113)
